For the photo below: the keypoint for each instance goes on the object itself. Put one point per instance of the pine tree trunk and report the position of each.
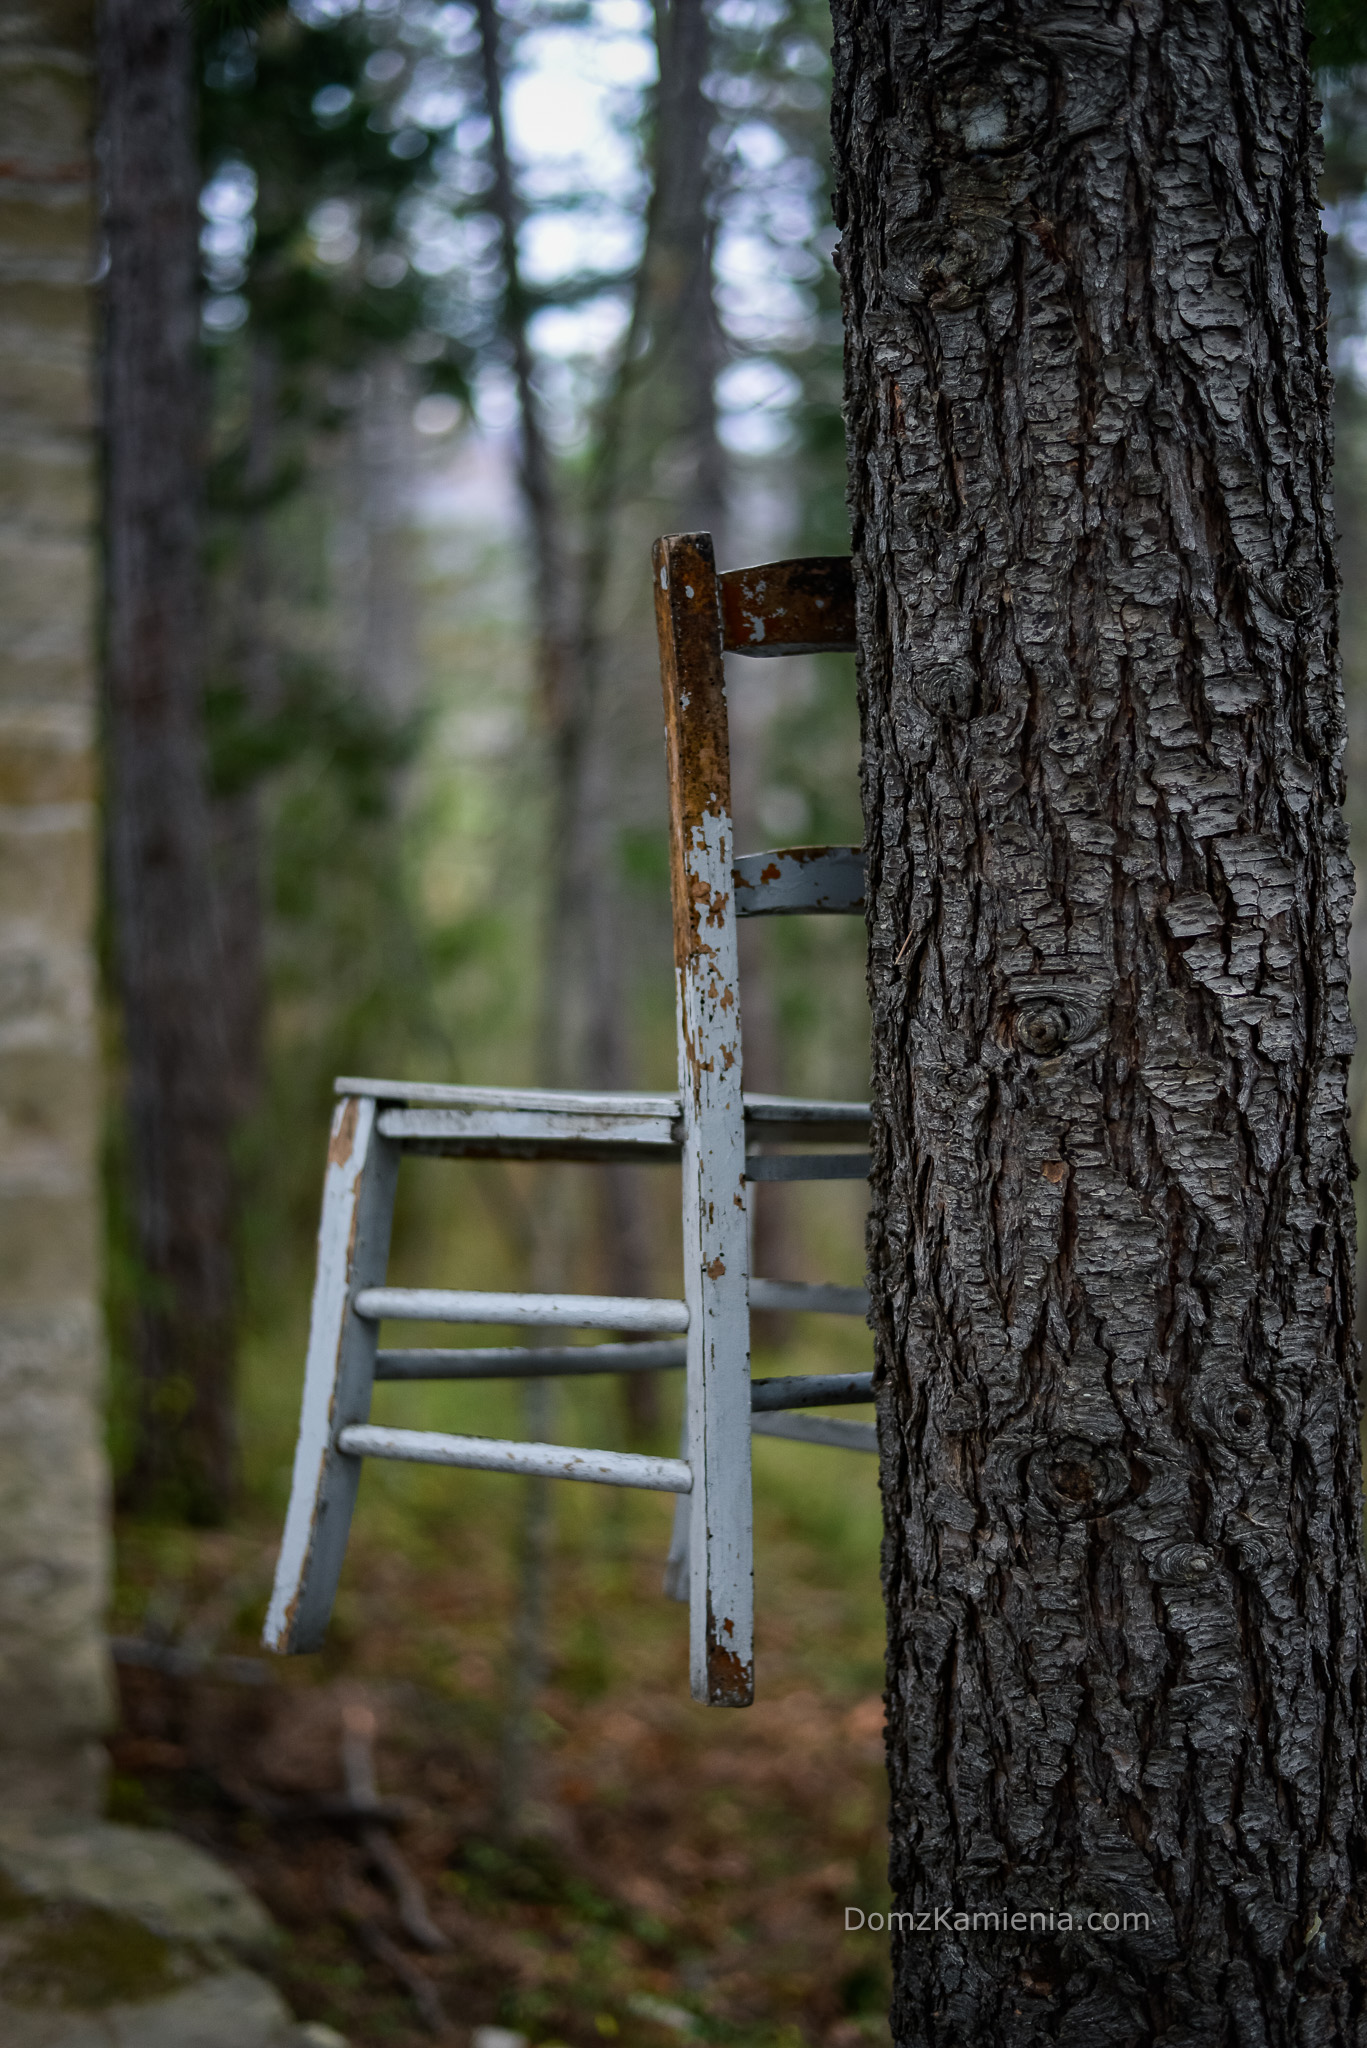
(158, 815)
(1112, 1245)
(55, 1675)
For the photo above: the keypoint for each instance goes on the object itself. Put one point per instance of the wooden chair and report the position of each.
(722, 1138)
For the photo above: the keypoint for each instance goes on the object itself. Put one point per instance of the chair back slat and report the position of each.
(816, 881)
(799, 607)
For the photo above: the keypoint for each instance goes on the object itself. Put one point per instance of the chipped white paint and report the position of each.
(716, 1283)
(497, 1454)
(353, 1248)
(535, 1311)
(810, 1390)
(551, 1101)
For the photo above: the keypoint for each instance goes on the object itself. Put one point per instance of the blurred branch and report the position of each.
(358, 1769)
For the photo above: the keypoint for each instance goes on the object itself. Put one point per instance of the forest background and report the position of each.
(487, 303)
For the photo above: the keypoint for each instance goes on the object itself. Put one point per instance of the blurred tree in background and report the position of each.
(180, 1319)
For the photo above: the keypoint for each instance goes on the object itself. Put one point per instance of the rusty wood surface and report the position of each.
(799, 607)
(794, 881)
(715, 1238)
(353, 1249)
(697, 743)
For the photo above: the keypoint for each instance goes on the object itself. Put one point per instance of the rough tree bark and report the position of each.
(55, 1679)
(1112, 1245)
(158, 812)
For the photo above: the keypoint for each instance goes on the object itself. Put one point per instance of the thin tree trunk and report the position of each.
(1112, 1245)
(158, 818)
(55, 1675)
(659, 421)
(239, 854)
(558, 676)
(550, 553)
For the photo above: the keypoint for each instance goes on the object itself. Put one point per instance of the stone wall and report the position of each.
(54, 1679)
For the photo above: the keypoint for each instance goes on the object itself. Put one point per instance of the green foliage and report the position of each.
(86, 1958)
(315, 113)
(1339, 32)
(354, 745)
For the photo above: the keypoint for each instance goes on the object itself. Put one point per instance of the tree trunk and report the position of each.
(1112, 1244)
(659, 467)
(550, 565)
(158, 818)
(55, 1675)
(239, 851)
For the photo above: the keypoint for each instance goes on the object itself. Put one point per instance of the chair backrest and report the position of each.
(781, 608)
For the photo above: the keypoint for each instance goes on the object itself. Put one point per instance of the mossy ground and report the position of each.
(682, 1870)
(67, 1955)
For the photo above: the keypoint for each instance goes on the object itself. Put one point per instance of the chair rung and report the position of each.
(553, 1362)
(795, 1297)
(496, 1454)
(810, 1390)
(818, 1429)
(806, 1166)
(536, 1311)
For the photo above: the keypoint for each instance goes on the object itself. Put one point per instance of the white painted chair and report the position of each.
(722, 1138)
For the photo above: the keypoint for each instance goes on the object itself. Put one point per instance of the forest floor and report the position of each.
(679, 1873)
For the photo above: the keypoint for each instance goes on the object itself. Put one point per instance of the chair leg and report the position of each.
(716, 1288)
(353, 1252)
